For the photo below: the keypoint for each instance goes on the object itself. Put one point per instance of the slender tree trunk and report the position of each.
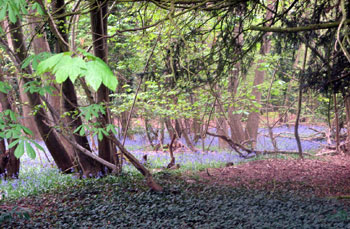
(347, 110)
(222, 129)
(169, 128)
(337, 129)
(300, 99)
(98, 16)
(235, 123)
(26, 110)
(251, 131)
(186, 137)
(236, 127)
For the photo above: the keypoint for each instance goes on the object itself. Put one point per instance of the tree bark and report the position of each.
(26, 109)
(88, 166)
(9, 164)
(98, 16)
(235, 123)
(57, 150)
(347, 110)
(236, 127)
(251, 132)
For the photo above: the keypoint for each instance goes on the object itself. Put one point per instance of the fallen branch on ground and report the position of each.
(151, 183)
(236, 145)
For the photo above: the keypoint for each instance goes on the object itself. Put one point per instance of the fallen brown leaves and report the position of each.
(328, 176)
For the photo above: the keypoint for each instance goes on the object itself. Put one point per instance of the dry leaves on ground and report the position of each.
(328, 176)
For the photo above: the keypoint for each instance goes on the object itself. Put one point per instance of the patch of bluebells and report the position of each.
(41, 174)
(35, 176)
(289, 143)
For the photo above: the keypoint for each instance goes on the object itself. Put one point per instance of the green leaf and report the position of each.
(27, 130)
(48, 64)
(82, 131)
(78, 68)
(108, 78)
(38, 58)
(8, 135)
(61, 70)
(77, 129)
(4, 87)
(23, 6)
(30, 151)
(100, 135)
(3, 11)
(27, 61)
(104, 132)
(93, 74)
(13, 143)
(12, 14)
(19, 151)
(38, 8)
(12, 115)
(38, 146)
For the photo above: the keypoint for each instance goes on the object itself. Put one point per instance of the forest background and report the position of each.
(84, 76)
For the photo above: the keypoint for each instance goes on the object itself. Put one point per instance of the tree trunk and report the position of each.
(347, 110)
(88, 166)
(9, 164)
(235, 123)
(50, 138)
(186, 137)
(251, 131)
(236, 127)
(98, 16)
(221, 129)
(27, 119)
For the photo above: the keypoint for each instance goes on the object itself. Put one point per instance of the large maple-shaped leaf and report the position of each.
(48, 64)
(108, 78)
(93, 74)
(97, 72)
(69, 67)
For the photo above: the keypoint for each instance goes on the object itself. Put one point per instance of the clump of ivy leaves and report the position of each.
(126, 202)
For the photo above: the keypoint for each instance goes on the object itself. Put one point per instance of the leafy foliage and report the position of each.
(20, 135)
(64, 66)
(12, 8)
(13, 215)
(111, 202)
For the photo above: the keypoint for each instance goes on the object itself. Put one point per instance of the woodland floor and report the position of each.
(272, 193)
(328, 176)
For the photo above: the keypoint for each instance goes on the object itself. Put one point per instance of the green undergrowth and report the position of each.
(37, 180)
(125, 202)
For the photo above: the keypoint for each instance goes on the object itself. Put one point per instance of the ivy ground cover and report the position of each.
(126, 203)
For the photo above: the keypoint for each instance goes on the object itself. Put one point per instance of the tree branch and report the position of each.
(327, 25)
